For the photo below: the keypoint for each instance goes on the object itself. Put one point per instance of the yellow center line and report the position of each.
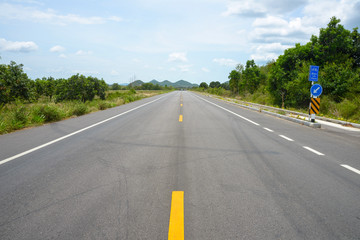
(180, 118)
(176, 223)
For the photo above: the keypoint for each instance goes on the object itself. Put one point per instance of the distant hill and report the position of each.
(178, 84)
(137, 83)
(155, 82)
(184, 84)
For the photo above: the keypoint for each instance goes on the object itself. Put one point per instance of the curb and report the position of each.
(344, 123)
(295, 120)
(299, 121)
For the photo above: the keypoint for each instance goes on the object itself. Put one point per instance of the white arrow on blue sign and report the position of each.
(314, 73)
(316, 90)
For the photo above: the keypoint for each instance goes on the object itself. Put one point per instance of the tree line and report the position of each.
(16, 85)
(336, 51)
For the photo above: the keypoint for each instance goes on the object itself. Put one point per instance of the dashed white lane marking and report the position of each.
(71, 134)
(287, 138)
(351, 168)
(314, 151)
(268, 129)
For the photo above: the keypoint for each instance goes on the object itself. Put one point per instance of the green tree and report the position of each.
(225, 85)
(115, 86)
(234, 79)
(50, 86)
(355, 54)
(14, 83)
(251, 76)
(39, 87)
(338, 79)
(214, 84)
(204, 85)
(79, 87)
(335, 43)
(277, 84)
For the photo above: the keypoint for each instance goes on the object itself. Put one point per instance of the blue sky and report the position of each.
(194, 40)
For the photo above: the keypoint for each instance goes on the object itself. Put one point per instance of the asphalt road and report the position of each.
(245, 175)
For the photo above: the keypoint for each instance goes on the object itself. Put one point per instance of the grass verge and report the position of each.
(19, 115)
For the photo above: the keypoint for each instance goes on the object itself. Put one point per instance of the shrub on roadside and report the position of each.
(347, 109)
(80, 109)
(20, 115)
(105, 105)
(46, 113)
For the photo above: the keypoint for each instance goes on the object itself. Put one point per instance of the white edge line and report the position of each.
(73, 133)
(287, 138)
(351, 168)
(229, 111)
(268, 129)
(314, 151)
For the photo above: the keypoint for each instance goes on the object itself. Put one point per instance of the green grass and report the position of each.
(19, 115)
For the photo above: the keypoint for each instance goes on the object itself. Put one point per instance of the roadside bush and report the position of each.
(20, 115)
(80, 109)
(104, 105)
(46, 113)
(113, 95)
(347, 109)
(327, 106)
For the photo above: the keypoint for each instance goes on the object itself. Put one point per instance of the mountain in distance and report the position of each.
(184, 84)
(178, 84)
(137, 83)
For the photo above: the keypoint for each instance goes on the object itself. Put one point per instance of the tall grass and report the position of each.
(18, 115)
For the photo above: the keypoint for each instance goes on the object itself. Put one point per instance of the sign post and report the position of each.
(315, 92)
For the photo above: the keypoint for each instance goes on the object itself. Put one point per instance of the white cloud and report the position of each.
(346, 10)
(245, 9)
(83, 53)
(204, 69)
(115, 19)
(272, 47)
(17, 46)
(184, 68)
(262, 8)
(177, 57)
(225, 62)
(114, 73)
(85, 72)
(62, 56)
(19, 12)
(276, 29)
(264, 57)
(57, 48)
(29, 2)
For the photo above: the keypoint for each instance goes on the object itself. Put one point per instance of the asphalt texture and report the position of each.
(245, 175)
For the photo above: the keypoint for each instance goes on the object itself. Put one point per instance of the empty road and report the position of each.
(243, 175)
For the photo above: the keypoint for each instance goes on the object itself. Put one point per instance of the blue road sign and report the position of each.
(314, 73)
(316, 90)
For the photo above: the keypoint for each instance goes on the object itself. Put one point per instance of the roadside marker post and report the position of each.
(315, 92)
(314, 106)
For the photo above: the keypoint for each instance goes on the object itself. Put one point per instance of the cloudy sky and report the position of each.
(194, 40)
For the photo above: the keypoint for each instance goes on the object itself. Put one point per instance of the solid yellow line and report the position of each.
(176, 223)
(180, 118)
